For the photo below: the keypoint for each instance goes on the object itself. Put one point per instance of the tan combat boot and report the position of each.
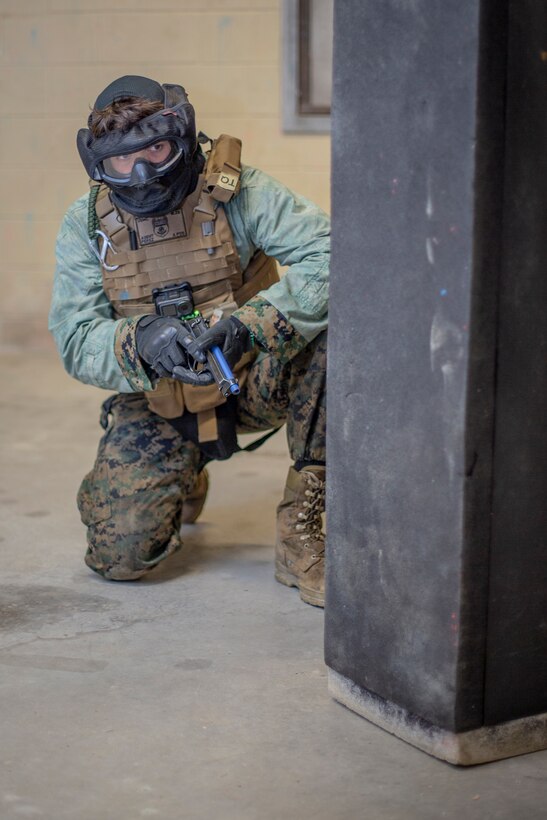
(193, 503)
(300, 545)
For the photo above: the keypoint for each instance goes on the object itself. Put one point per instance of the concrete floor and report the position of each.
(199, 692)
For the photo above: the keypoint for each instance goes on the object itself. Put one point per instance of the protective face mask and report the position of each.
(162, 195)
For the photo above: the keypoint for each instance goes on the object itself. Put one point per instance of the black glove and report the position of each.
(162, 343)
(231, 335)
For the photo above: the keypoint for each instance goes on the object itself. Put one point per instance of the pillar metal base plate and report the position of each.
(516, 737)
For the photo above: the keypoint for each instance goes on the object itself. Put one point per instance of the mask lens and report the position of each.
(159, 157)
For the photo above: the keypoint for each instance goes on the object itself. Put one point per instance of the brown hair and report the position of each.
(122, 115)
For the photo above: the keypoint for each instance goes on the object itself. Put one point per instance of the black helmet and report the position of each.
(151, 167)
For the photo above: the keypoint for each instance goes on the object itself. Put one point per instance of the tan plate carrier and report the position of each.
(191, 244)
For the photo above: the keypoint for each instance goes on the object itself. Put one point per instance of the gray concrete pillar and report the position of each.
(436, 616)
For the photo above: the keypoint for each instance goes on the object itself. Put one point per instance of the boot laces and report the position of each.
(309, 518)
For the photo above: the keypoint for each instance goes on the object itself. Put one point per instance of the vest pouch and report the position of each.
(223, 168)
(224, 419)
(167, 400)
(197, 399)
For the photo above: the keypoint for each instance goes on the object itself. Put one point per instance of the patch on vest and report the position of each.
(228, 181)
(159, 228)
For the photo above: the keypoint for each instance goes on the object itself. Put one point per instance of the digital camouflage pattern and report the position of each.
(125, 349)
(293, 393)
(131, 501)
(271, 330)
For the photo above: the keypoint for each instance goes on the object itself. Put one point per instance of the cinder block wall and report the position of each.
(56, 55)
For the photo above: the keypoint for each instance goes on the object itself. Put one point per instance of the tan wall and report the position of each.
(55, 57)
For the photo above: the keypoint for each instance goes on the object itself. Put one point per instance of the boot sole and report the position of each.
(309, 596)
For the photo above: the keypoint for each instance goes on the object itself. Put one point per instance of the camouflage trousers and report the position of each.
(131, 501)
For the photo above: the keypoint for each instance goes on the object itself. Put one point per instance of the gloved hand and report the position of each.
(162, 344)
(231, 335)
